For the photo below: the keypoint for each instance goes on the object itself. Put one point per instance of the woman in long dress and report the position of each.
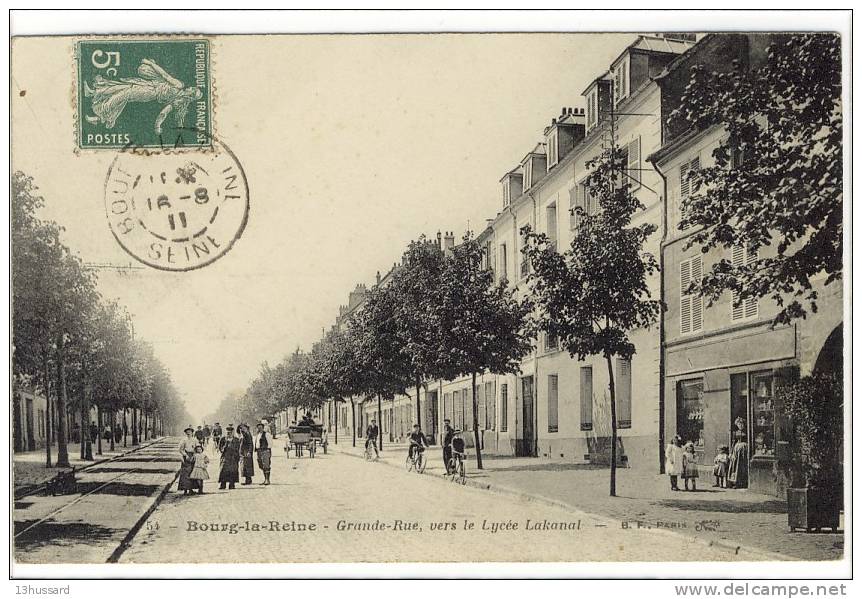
(187, 454)
(673, 461)
(737, 468)
(153, 84)
(246, 450)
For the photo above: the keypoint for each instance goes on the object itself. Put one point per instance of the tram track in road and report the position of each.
(39, 487)
(161, 456)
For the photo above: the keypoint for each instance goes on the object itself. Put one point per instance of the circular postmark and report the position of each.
(177, 211)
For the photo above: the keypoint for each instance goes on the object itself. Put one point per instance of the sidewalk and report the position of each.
(110, 503)
(738, 517)
(29, 466)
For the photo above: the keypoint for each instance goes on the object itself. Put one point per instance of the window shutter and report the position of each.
(491, 401)
(551, 218)
(737, 259)
(684, 187)
(573, 202)
(553, 403)
(624, 393)
(634, 161)
(586, 398)
(624, 78)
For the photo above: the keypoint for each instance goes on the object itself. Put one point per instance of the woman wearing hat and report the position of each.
(187, 453)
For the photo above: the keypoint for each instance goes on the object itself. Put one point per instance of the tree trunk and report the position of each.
(476, 426)
(613, 427)
(418, 408)
(48, 417)
(380, 420)
(336, 421)
(134, 426)
(62, 446)
(353, 419)
(18, 430)
(86, 441)
(125, 428)
(100, 426)
(113, 416)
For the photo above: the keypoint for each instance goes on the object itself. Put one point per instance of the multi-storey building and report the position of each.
(699, 369)
(722, 363)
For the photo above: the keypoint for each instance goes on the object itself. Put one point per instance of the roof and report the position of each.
(539, 149)
(518, 171)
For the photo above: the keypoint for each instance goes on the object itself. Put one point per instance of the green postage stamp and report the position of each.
(144, 93)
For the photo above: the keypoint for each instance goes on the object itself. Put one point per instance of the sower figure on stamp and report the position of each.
(263, 449)
(229, 447)
(246, 450)
(153, 84)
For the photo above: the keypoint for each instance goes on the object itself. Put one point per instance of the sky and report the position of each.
(352, 146)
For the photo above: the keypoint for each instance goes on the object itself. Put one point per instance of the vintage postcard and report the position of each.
(400, 298)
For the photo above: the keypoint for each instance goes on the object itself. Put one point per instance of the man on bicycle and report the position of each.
(448, 433)
(418, 443)
(371, 433)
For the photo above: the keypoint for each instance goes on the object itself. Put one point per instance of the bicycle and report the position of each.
(456, 470)
(416, 462)
(370, 455)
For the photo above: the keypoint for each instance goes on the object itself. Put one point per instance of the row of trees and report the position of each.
(74, 347)
(441, 315)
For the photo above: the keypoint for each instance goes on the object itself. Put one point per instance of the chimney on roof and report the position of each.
(378, 277)
(439, 240)
(449, 241)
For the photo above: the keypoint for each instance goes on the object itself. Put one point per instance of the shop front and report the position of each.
(718, 403)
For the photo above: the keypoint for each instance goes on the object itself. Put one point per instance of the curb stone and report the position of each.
(728, 546)
(32, 489)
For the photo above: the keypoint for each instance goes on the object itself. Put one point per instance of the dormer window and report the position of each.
(507, 192)
(553, 145)
(593, 108)
(528, 174)
(621, 80)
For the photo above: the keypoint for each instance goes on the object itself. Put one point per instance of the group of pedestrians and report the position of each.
(236, 449)
(730, 467)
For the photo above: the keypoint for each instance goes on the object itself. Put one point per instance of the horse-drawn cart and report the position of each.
(302, 439)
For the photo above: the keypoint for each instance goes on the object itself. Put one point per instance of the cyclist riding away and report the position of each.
(371, 437)
(418, 442)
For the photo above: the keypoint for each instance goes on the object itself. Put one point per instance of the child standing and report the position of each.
(719, 469)
(689, 466)
(199, 471)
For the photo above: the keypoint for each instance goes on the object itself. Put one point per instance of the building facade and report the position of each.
(723, 362)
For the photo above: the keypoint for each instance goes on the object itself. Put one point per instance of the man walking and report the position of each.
(263, 449)
(371, 433)
(229, 448)
(217, 433)
(448, 433)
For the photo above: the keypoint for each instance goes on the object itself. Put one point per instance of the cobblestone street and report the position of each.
(311, 511)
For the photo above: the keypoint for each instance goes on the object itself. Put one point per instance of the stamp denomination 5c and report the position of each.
(147, 93)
